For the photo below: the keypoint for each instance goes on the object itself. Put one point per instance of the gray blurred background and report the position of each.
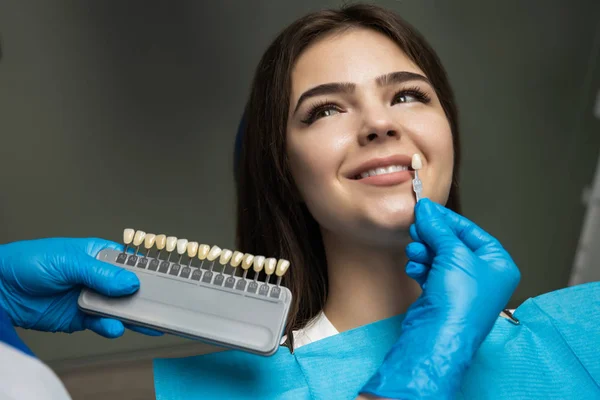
(121, 114)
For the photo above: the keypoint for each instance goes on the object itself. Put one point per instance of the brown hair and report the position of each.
(270, 220)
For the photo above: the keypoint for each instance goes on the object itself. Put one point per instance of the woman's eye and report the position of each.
(411, 96)
(319, 112)
(325, 113)
(406, 98)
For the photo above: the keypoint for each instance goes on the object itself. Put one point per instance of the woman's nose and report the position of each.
(379, 131)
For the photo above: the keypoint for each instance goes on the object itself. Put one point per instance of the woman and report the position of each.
(298, 196)
(340, 102)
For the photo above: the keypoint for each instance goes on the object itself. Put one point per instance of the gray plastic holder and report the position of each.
(201, 306)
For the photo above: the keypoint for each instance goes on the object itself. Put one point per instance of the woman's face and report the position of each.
(359, 110)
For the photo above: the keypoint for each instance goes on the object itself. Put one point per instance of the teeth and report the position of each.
(270, 264)
(128, 235)
(259, 262)
(203, 251)
(213, 253)
(139, 238)
(416, 162)
(387, 170)
(225, 256)
(171, 243)
(161, 242)
(236, 259)
(247, 261)
(149, 241)
(181, 246)
(192, 249)
(282, 267)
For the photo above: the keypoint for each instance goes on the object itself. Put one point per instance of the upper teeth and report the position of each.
(385, 170)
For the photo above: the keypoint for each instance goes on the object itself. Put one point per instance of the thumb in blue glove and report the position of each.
(40, 282)
(467, 278)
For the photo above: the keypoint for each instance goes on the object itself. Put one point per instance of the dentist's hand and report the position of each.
(40, 282)
(467, 279)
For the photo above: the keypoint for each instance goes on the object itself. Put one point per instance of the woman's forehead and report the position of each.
(358, 56)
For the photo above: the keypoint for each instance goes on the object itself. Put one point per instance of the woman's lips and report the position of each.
(389, 179)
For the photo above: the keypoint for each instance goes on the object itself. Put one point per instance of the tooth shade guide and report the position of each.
(128, 234)
(225, 257)
(416, 162)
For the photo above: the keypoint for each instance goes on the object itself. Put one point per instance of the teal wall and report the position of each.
(122, 114)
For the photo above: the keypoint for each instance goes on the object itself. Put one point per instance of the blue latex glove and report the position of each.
(467, 279)
(40, 282)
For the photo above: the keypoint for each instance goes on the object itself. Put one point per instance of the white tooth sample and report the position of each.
(213, 253)
(138, 239)
(282, 267)
(416, 162)
(270, 264)
(181, 246)
(149, 240)
(225, 256)
(203, 251)
(247, 261)
(192, 249)
(128, 235)
(259, 262)
(171, 243)
(161, 241)
(236, 259)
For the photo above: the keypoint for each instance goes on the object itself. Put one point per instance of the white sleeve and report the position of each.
(24, 377)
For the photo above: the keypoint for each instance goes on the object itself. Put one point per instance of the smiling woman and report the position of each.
(393, 298)
(337, 96)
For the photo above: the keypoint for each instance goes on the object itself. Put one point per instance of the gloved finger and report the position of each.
(432, 227)
(414, 235)
(467, 231)
(417, 271)
(102, 277)
(107, 327)
(143, 330)
(420, 253)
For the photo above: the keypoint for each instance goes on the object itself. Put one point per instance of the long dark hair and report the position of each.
(271, 220)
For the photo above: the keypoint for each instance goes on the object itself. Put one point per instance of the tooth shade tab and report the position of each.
(138, 239)
(203, 251)
(149, 240)
(236, 259)
(270, 264)
(384, 170)
(259, 262)
(182, 246)
(247, 261)
(161, 241)
(128, 235)
(225, 256)
(192, 249)
(214, 253)
(171, 243)
(282, 267)
(417, 163)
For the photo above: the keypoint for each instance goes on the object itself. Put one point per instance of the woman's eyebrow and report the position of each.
(348, 87)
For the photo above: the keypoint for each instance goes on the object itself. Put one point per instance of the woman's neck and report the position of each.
(366, 284)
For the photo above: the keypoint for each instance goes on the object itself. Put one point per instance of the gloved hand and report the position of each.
(467, 279)
(40, 282)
